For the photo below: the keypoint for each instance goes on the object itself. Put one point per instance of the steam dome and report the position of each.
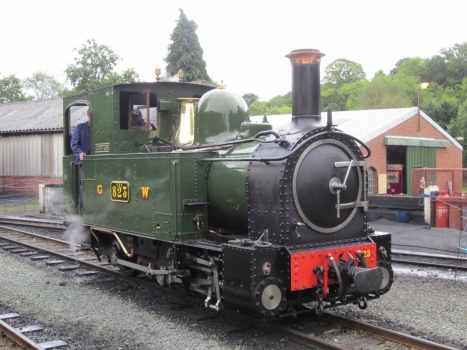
(219, 116)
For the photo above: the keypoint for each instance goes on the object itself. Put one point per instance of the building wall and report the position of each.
(27, 160)
(449, 157)
(24, 187)
(31, 155)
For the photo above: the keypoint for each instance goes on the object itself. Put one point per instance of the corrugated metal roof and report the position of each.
(47, 115)
(365, 125)
(27, 116)
(368, 124)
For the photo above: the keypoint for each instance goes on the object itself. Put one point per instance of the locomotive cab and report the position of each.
(114, 129)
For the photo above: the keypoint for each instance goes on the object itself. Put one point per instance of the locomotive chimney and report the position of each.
(306, 111)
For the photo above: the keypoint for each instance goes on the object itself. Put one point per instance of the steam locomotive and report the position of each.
(269, 222)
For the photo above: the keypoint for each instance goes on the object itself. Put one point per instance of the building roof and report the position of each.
(32, 116)
(365, 125)
(47, 115)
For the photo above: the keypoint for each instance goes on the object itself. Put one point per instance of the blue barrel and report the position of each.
(402, 216)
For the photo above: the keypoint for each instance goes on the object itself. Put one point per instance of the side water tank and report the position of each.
(442, 210)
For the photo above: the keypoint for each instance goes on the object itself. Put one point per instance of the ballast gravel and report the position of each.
(102, 312)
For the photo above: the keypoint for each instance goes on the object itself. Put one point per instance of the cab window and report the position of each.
(138, 110)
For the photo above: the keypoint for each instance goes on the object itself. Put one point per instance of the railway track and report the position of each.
(19, 335)
(39, 247)
(334, 332)
(380, 333)
(448, 262)
(34, 221)
(458, 262)
(69, 256)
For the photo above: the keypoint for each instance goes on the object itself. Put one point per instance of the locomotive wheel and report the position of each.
(269, 297)
(116, 253)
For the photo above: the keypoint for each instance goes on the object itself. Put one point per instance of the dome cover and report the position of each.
(219, 116)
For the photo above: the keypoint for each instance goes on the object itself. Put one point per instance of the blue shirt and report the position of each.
(81, 140)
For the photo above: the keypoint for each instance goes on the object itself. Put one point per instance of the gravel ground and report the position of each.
(100, 313)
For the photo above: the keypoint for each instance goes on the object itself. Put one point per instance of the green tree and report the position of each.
(345, 87)
(340, 98)
(43, 85)
(456, 58)
(94, 68)
(398, 65)
(250, 98)
(383, 91)
(415, 67)
(449, 67)
(277, 101)
(283, 109)
(457, 126)
(342, 71)
(440, 103)
(437, 70)
(332, 98)
(185, 52)
(442, 111)
(11, 89)
(258, 108)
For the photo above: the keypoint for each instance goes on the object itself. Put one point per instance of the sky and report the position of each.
(244, 42)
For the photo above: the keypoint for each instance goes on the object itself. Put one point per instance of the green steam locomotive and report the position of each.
(195, 194)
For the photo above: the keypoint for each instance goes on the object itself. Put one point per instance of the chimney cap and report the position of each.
(305, 56)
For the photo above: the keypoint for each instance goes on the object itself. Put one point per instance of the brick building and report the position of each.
(400, 140)
(31, 147)
(31, 144)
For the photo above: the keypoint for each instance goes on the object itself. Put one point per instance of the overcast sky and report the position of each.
(244, 42)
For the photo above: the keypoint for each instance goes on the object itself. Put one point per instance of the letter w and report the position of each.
(145, 192)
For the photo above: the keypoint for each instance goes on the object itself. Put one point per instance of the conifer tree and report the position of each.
(185, 52)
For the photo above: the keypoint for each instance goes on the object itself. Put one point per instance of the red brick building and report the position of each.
(400, 140)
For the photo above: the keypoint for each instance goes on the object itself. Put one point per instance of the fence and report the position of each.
(450, 180)
(446, 188)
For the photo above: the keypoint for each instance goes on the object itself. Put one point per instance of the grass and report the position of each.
(10, 206)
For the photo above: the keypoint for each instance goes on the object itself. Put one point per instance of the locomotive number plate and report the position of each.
(120, 191)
